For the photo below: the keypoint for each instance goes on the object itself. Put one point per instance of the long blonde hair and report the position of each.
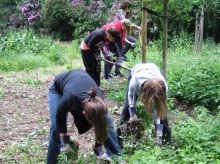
(154, 91)
(96, 113)
(126, 24)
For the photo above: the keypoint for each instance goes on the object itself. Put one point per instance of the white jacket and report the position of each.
(139, 74)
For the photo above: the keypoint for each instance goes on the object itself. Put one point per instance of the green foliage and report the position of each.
(197, 140)
(26, 149)
(89, 18)
(56, 16)
(116, 91)
(194, 141)
(69, 157)
(196, 81)
(24, 50)
(24, 41)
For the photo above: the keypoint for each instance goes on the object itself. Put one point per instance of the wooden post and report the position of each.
(144, 32)
(201, 28)
(165, 40)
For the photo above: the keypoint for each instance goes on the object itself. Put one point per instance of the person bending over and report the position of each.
(90, 49)
(147, 83)
(77, 93)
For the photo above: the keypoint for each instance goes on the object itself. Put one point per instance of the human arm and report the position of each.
(132, 97)
(93, 40)
(62, 110)
(128, 42)
(134, 26)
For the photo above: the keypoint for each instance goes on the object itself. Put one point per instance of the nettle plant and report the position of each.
(196, 81)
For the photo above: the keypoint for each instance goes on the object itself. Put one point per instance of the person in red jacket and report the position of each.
(124, 27)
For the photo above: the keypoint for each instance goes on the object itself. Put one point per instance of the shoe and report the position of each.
(104, 157)
(111, 76)
(119, 74)
(108, 80)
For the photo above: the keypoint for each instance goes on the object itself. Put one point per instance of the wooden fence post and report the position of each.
(165, 39)
(144, 32)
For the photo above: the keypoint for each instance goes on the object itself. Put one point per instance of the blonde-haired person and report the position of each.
(124, 26)
(147, 83)
(124, 13)
(77, 93)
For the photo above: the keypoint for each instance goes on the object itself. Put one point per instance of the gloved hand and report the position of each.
(107, 53)
(101, 155)
(132, 112)
(97, 55)
(132, 44)
(65, 144)
(119, 61)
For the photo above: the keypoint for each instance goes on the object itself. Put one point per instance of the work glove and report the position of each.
(101, 155)
(65, 147)
(107, 53)
(97, 56)
(119, 61)
(132, 112)
(159, 133)
(131, 44)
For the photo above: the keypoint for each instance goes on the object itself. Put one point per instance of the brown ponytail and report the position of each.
(96, 113)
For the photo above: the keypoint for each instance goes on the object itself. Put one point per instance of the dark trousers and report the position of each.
(127, 47)
(109, 66)
(93, 67)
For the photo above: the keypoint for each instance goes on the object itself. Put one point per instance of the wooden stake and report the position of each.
(165, 40)
(144, 32)
(201, 29)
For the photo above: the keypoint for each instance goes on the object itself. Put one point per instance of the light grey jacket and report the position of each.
(139, 74)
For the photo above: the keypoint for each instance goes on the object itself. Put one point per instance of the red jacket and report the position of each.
(116, 24)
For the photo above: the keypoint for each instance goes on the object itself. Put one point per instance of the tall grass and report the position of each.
(24, 49)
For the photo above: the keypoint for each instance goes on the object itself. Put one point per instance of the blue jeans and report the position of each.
(111, 144)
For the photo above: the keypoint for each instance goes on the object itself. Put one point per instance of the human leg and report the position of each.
(111, 144)
(107, 70)
(166, 137)
(127, 47)
(124, 114)
(54, 139)
(93, 68)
